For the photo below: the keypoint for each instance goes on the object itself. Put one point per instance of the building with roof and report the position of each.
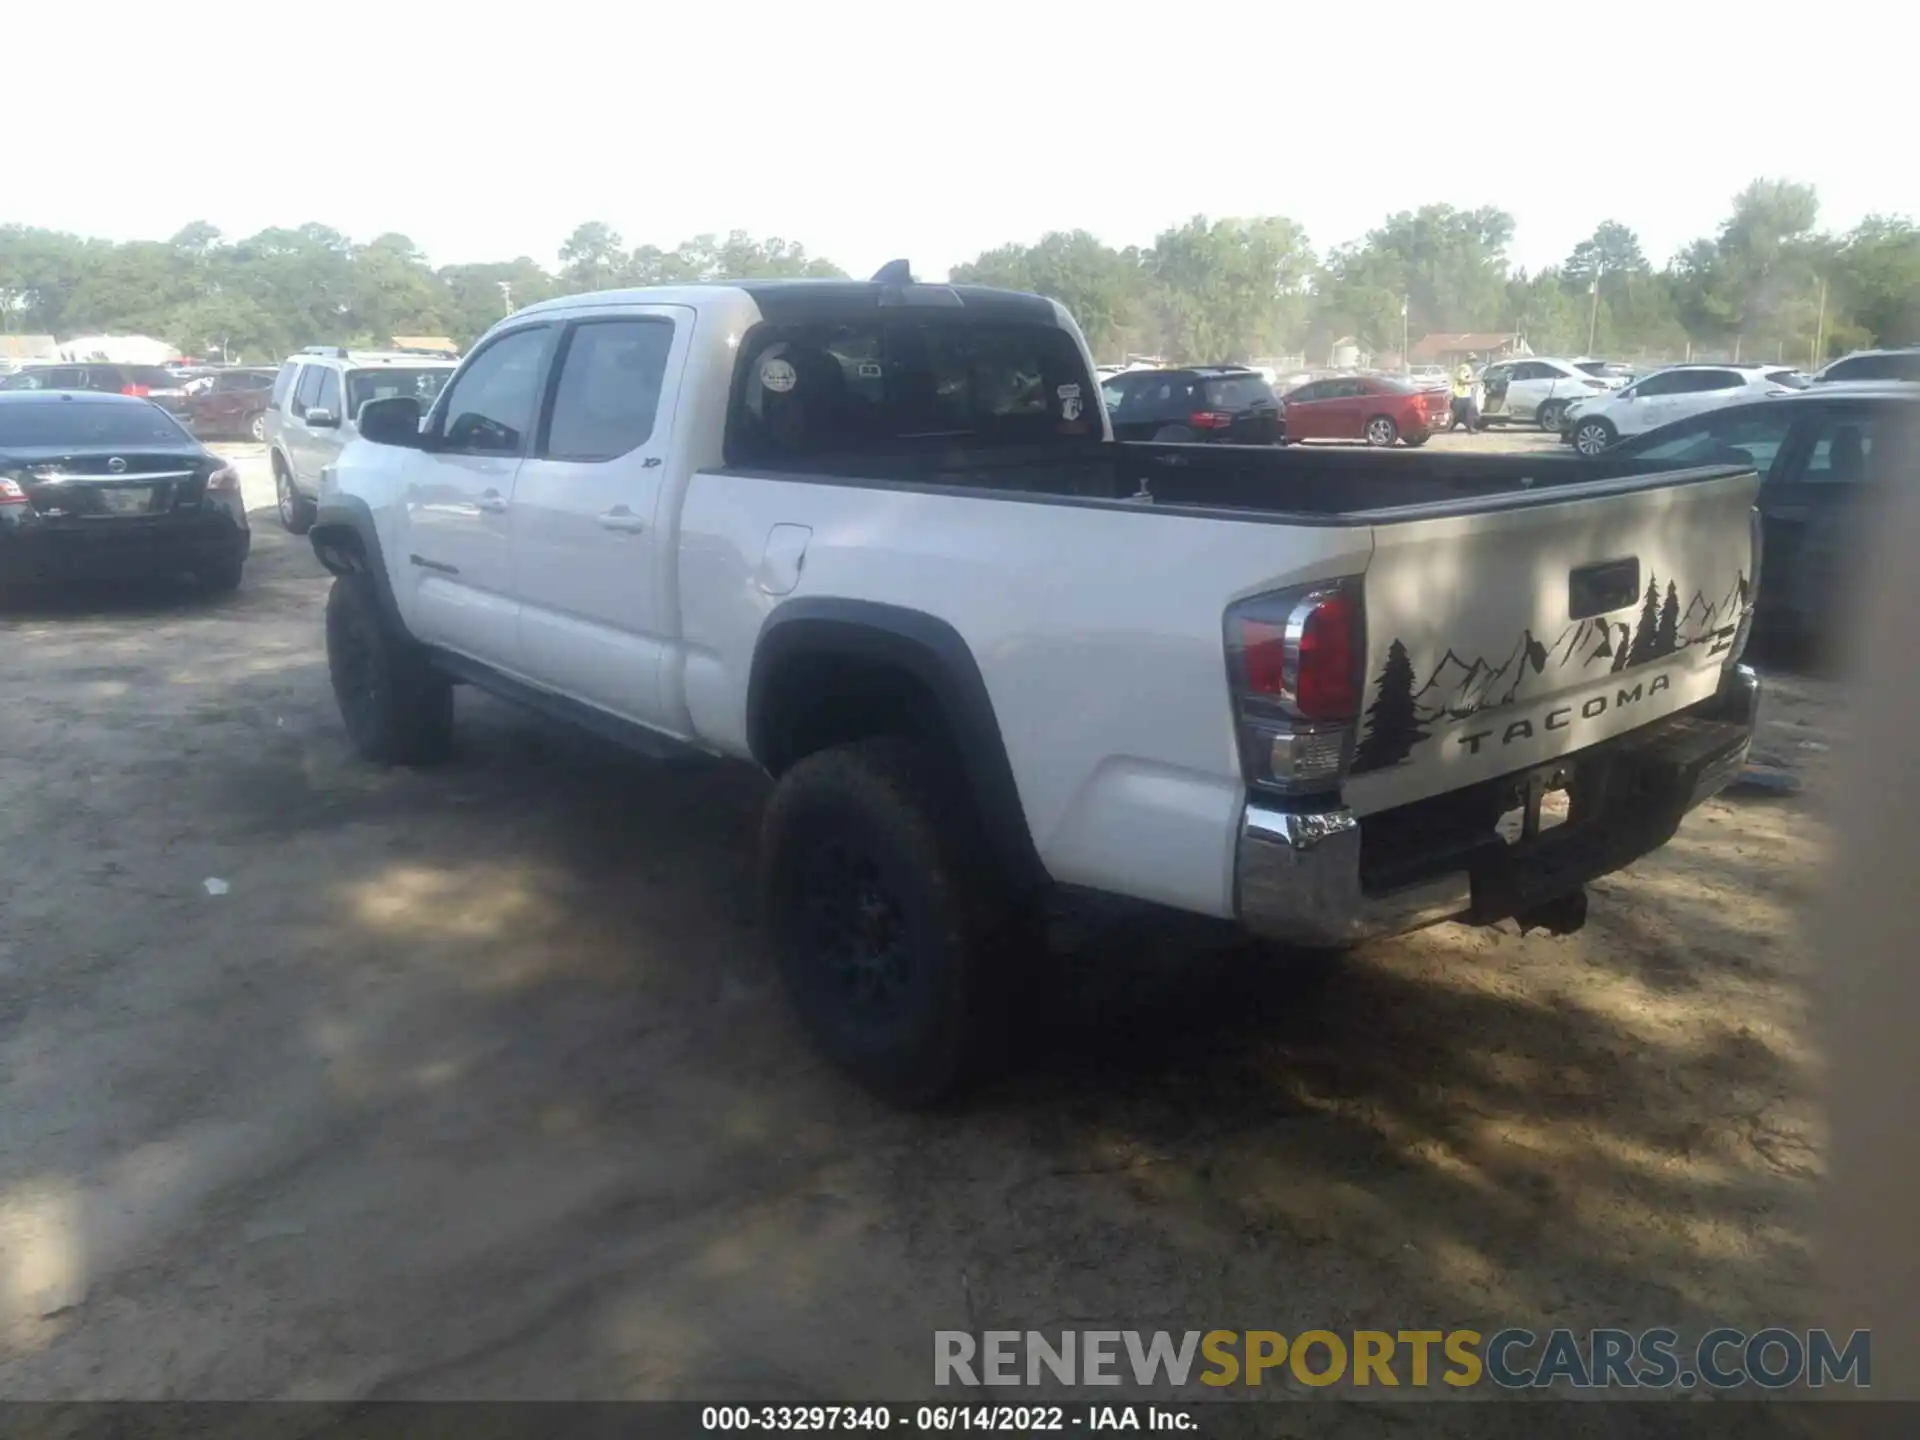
(1451, 347)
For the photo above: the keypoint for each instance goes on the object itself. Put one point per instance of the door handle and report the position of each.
(492, 501)
(622, 519)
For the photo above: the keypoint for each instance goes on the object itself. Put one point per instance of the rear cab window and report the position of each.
(1238, 392)
(814, 390)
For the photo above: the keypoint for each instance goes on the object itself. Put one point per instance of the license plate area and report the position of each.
(124, 499)
(1534, 803)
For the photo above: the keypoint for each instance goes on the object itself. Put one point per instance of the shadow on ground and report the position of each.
(475, 1082)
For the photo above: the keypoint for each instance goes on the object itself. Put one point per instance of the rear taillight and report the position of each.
(11, 493)
(138, 390)
(1295, 660)
(1210, 420)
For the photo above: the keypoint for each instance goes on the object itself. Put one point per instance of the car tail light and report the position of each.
(1294, 662)
(137, 390)
(11, 493)
(224, 480)
(1210, 420)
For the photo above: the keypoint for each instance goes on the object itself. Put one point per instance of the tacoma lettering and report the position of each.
(1559, 718)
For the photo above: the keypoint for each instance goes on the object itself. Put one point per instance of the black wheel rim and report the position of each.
(856, 932)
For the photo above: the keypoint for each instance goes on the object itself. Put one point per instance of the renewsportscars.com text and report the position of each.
(1511, 1359)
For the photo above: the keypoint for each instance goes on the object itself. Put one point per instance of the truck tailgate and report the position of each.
(1505, 638)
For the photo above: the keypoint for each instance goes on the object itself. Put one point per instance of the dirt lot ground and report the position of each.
(475, 1082)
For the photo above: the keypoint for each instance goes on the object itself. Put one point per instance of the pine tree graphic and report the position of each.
(1393, 721)
(1619, 643)
(1646, 633)
(1666, 639)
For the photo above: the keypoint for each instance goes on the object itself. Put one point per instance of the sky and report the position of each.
(868, 132)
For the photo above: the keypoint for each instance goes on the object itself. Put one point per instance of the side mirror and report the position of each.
(318, 419)
(392, 421)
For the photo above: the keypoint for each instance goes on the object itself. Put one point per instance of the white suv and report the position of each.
(1671, 394)
(315, 408)
(1536, 388)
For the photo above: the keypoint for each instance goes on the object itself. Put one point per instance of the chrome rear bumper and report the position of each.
(1299, 873)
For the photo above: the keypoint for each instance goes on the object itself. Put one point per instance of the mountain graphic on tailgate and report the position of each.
(1406, 705)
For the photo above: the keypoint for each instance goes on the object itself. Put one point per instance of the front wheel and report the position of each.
(1590, 437)
(1549, 415)
(880, 904)
(257, 429)
(1382, 431)
(397, 710)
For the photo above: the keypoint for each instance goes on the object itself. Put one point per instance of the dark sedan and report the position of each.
(109, 487)
(1822, 454)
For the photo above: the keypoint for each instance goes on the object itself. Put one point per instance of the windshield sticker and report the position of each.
(778, 376)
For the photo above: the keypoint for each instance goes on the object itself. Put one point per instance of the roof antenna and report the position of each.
(894, 272)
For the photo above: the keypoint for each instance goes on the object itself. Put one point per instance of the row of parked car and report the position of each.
(225, 403)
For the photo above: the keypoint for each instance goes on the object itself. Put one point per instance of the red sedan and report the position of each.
(1372, 408)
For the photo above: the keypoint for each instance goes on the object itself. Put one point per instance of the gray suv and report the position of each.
(316, 399)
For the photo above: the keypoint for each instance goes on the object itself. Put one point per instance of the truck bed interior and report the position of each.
(1312, 485)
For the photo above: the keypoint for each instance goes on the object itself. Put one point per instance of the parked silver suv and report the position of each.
(316, 400)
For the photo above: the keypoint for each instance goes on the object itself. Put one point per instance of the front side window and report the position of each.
(307, 393)
(490, 405)
(283, 385)
(329, 397)
(609, 391)
(1669, 382)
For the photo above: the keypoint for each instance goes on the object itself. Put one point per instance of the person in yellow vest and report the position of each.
(1463, 407)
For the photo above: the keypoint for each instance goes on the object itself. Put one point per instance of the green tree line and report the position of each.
(1769, 284)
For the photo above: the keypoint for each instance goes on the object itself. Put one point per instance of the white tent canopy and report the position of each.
(119, 349)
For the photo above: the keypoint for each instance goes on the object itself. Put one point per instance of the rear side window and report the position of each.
(824, 388)
(1842, 450)
(1787, 379)
(609, 389)
(283, 385)
(151, 376)
(1716, 380)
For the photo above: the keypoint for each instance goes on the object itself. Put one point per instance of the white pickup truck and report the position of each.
(874, 537)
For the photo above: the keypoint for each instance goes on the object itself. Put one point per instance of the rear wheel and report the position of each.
(1382, 431)
(397, 710)
(223, 577)
(881, 906)
(296, 511)
(257, 428)
(1549, 415)
(1414, 442)
(1590, 437)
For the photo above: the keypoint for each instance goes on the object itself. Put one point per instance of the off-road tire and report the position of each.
(397, 710)
(887, 915)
